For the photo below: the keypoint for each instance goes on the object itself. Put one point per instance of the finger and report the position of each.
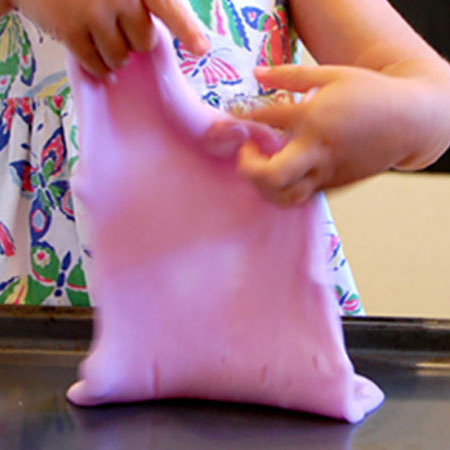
(111, 45)
(180, 23)
(137, 28)
(252, 164)
(296, 78)
(269, 140)
(84, 50)
(225, 137)
(280, 116)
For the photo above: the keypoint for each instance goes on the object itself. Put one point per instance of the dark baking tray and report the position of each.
(41, 347)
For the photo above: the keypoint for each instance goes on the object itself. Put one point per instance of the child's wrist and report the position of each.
(426, 114)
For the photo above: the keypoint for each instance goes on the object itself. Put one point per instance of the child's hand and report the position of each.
(352, 123)
(101, 33)
(5, 7)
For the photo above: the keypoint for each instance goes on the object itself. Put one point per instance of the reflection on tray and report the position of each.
(206, 425)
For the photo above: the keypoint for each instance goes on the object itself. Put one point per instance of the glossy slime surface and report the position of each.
(202, 289)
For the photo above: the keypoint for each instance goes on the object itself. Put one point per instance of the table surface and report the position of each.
(40, 350)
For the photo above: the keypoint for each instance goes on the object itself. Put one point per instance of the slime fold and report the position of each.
(202, 289)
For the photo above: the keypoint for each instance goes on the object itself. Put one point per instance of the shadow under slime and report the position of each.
(188, 424)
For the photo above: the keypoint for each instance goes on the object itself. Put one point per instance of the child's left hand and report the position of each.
(352, 123)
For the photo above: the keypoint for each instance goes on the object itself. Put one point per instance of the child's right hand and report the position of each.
(101, 33)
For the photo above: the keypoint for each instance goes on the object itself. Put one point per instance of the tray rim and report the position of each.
(70, 328)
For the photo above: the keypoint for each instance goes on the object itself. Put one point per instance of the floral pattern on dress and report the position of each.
(16, 54)
(49, 276)
(40, 258)
(211, 66)
(345, 289)
(238, 31)
(7, 246)
(47, 184)
(222, 17)
(276, 47)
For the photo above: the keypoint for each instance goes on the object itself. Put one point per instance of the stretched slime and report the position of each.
(202, 289)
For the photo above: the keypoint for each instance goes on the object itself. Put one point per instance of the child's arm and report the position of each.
(373, 35)
(382, 101)
(101, 33)
(5, 7)
(365, 33)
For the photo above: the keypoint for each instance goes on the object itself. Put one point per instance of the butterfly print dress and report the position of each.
(44, 246)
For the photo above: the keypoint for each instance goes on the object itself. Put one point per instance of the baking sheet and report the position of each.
(41, 347)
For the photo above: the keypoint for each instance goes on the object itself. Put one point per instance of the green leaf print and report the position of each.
(26, 61)
(44, 263)
(58, 102)
(15, 54)
(4, 20)
(262, 21)
(45, 202)
(72, 162)
(76, 287)
(203, 9)
(9, 68)
(48, 278)
(74, 137)
(8, 291)
(269, 52)
(74, 142)
(37, 292)
(235, 25)
(34, 179)
(47, 170)
(57, 191)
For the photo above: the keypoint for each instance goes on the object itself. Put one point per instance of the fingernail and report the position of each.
(261, 70)
(201, 45)
(309, 95)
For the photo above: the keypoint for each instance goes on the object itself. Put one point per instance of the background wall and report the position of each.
(395, 230)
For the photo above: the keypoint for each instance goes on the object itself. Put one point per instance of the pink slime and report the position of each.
(203, 289)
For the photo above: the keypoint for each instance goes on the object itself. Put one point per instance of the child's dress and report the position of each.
(41, 249)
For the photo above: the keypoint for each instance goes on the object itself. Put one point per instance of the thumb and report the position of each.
(224, 137)
(179, 21)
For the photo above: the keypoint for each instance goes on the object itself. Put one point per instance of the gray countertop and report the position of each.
(40, 350)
